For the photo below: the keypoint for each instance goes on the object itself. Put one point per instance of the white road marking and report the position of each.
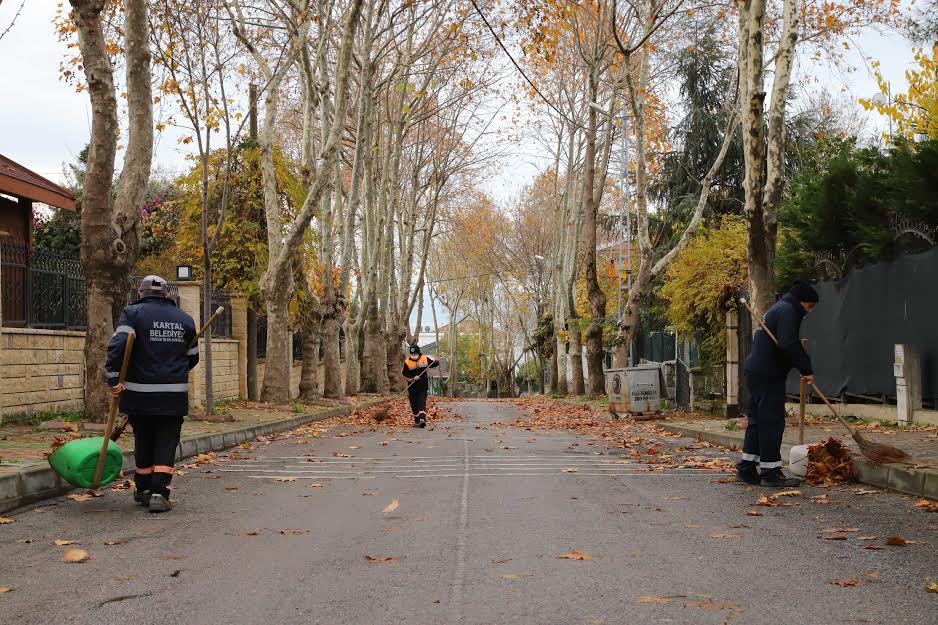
(459, 574)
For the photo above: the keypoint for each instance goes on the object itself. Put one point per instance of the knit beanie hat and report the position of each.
(803, 292)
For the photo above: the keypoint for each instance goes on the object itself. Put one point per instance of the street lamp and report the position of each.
(884, 99)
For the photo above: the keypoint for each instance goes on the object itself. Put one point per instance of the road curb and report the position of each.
(38, 482)
(921, 482)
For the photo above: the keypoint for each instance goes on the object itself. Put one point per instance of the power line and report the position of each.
(518, 67)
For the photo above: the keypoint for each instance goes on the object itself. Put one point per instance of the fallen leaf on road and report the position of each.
(293, 532)
(79, 498)
(58, 542)
(4, 520)
(391, 507)
(719, 535)
(823, 498)
(575, 555)
(509, 577)
(6, 589)
(354, 447)
(872, 547)
(383, 443)
(788, 493)
(113, 542)
(899, 541)
(286, 479)
(568, 470)
(532, 440)
(379, 560)
(727, 480)
(835, 537)
(487, 449)
(872, 574)
(173, 556)
(838, 530)
(845, 583)
(75, 555)
(125, 578)
(232, 488)
(867, 537)
(715, 606)
(674, 498)
(315, 486)
(769, 502)
(250, 533)
(929, 506)
(738, 526)
(753, 513)
(499, 561)
(866, 491)
(25, 541)
(931, 586)
(338, 455)
(651, 599)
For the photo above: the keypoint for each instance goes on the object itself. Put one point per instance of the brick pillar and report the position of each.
(239, 332)
(190, 301)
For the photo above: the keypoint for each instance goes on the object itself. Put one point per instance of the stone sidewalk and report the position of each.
(25, 475)
(919, 478)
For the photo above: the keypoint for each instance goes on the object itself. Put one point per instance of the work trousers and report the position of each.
(418, 403)
(762, 445)
(155, 441)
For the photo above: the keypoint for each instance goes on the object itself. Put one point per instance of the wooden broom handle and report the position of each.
(112, 412)
(199, 334)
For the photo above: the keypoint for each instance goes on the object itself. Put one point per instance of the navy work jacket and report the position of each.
(775, 361)
(157, 382)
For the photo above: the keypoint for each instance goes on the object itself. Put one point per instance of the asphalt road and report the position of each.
(484, 512)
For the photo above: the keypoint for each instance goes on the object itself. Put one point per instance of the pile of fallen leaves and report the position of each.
(829, 462)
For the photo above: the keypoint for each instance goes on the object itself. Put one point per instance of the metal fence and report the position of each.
(42, 289)
(221, 327)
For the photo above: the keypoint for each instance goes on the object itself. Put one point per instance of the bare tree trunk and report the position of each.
(353, 370)
(309, 372)
(597, 299)
(560, 360)
(576, 358)
(110, 235)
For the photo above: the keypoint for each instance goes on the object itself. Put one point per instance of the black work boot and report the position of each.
(749, 475)
(142, 497)
(422, 421)
(774, 478)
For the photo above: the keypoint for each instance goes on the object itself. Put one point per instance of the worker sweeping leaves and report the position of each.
(416, 369)
(766, 369)
(155, 395)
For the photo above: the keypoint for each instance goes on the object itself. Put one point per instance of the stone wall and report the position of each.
(41, 371)
(225, 372)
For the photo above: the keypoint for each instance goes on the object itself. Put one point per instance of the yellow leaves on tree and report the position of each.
(914, 113)
(705, 275)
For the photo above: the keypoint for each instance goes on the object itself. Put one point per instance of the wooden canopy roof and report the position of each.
(18, 181)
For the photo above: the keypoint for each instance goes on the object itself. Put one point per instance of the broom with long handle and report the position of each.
(877, 453)
(112, 412)
(119, 430)
(382, 413)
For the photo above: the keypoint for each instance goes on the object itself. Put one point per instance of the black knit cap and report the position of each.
(413, 349)
(803, 292)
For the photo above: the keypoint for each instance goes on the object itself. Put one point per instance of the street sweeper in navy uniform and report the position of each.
(155, 393)
(416, 370)
(766, 369)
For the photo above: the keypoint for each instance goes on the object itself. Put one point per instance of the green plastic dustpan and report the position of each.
(75, 461)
